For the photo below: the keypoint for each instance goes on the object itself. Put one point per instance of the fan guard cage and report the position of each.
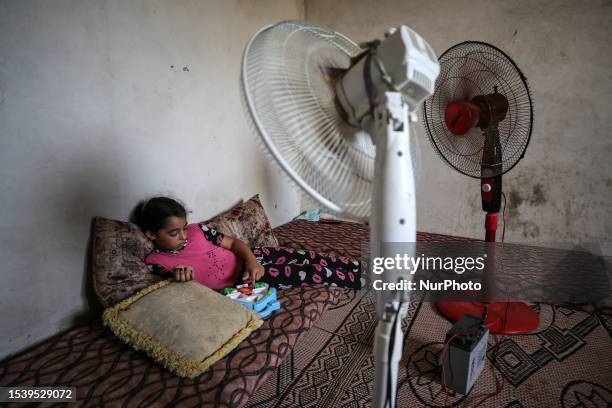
(293, 108)
(475, 68)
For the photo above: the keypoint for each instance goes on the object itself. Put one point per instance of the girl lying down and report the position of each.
(186, 251)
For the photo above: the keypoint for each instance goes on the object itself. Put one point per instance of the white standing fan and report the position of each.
(338, 119)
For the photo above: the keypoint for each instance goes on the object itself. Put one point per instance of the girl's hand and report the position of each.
(253, 271)
(183, 273)
(252, 268)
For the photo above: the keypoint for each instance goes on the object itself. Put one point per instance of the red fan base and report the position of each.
(502, 317)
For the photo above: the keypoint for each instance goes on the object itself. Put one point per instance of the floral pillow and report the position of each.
(118, 250)
(246, 221)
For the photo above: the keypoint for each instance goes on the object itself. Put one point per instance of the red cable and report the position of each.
(504, 218)
(498, 387)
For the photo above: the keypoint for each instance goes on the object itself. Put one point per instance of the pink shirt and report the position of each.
(213, 265)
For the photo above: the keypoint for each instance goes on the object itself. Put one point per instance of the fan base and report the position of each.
(504, 318)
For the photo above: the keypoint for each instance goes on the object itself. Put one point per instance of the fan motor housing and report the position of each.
(399, 53)
(493, 109)
(482, 111)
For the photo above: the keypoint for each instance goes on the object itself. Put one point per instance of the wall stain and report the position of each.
(514, 200)
(530, 229)
(568, 213)
(2, 91)
(537, 198)
(185, 69)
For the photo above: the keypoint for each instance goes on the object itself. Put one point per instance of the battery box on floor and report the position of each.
(465, 354)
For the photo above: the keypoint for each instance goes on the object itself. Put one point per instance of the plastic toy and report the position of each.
(261, 298)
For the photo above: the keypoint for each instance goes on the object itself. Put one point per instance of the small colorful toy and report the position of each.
(261, 298)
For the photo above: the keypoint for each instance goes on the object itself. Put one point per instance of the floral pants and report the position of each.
(288, 267)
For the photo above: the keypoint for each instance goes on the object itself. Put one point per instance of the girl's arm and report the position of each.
(252, 267)
(181, 273)
(159, 270)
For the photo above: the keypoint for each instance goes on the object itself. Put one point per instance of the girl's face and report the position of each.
(173, 235)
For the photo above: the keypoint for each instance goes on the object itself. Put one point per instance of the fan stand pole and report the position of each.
(392, 231)
(505, 317)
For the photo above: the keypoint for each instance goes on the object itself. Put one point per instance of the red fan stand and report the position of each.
(485, 112)
(500, 317)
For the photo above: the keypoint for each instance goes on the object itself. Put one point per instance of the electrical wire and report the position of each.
(504, 218)
(389, 356)
(498, 387)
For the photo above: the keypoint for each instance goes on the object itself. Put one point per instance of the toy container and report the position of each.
(261, 298)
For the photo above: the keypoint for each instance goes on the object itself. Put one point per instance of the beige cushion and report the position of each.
(185, 327)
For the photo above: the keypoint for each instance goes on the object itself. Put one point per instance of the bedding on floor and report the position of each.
(107, 372)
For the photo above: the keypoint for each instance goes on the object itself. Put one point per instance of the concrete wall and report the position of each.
(562, 189)
(103, 103)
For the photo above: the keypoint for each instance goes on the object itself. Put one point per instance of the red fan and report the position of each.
(479, 120)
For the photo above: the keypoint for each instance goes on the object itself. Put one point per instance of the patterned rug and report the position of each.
(567, 362)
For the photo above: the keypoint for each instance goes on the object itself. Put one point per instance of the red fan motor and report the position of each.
(482, 111)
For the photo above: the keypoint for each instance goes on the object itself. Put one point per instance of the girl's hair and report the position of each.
(151, 214)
